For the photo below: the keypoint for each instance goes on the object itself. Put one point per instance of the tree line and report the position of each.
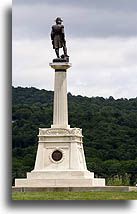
(109, 127)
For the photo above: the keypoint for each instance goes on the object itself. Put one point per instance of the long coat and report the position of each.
(58, 36)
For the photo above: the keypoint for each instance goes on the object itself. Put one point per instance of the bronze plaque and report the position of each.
(57, 155)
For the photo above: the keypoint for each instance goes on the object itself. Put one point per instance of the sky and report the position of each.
(101, 39)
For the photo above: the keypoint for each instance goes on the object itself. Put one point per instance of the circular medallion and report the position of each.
(57, 155)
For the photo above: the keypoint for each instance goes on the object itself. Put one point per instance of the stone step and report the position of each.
(59, 182)
(67, 174)
(75, 189)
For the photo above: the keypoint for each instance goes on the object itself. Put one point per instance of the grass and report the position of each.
(74, 196)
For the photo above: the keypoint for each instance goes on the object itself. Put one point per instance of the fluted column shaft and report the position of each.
(60, 108)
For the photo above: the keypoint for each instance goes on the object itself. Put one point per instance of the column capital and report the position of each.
(60, 65)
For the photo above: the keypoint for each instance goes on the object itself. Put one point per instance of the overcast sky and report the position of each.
(101, 39)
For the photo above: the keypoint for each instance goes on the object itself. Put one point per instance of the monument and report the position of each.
(60, 159)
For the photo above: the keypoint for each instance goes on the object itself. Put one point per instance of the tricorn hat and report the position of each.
(59, 19)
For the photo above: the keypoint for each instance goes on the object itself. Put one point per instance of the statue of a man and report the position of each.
(58, 37)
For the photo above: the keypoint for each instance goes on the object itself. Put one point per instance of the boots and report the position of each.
(65, 51)
(57, 52)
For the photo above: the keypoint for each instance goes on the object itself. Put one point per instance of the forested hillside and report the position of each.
(109, 128)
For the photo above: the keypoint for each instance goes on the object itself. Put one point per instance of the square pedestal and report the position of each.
(60, 161)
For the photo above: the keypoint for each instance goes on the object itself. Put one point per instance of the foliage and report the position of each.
(109, 128)
(119, 180)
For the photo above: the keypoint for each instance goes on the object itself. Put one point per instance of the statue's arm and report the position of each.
(63, 33)
(52, 34)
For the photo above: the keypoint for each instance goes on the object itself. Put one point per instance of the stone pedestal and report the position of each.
(60, 160)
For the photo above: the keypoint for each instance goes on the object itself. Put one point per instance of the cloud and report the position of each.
(124, 5)
(101, 38)
(33, 19)
(101, 67)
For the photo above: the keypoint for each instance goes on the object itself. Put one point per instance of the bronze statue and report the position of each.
(58, 39)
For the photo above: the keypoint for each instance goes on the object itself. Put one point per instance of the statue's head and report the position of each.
(58, 20)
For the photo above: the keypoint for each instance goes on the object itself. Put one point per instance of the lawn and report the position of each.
(74, 196)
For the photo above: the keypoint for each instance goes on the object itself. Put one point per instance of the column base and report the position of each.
(60, 126)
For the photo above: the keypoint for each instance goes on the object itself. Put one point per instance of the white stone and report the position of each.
(71, 169)
(60, 110)
(85, 182)
(68, 141)
(60, 65)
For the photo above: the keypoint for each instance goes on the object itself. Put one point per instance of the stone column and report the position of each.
(60, 111)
